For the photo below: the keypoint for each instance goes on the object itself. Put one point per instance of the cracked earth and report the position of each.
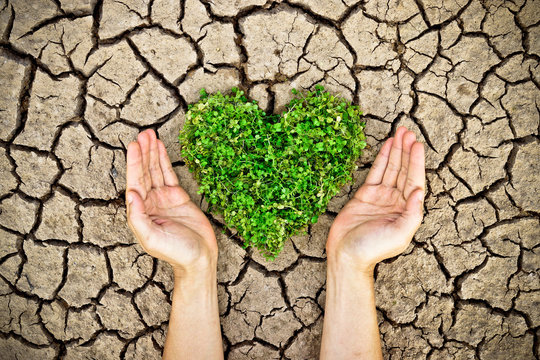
(80, 79)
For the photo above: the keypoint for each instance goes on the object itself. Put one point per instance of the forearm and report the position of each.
(350, 328)
(194, 331)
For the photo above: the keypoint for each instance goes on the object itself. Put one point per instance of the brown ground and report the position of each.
(79, 79)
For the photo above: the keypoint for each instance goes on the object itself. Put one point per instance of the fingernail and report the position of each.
(130, 198)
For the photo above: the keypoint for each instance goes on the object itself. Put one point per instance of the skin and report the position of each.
(169, 226)
(378, 223)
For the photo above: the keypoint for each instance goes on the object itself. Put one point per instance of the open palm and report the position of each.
(167, 224)
(382, 217)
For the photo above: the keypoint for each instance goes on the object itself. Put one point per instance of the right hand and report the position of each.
(382, 217)
(167, 224)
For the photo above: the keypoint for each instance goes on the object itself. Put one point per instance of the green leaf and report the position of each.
(203, 94)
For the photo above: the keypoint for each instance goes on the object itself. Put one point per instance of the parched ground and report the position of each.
(79, 79)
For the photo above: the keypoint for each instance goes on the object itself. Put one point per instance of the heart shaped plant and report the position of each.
(271, 175)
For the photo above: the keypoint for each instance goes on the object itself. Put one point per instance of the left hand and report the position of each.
(167, 224)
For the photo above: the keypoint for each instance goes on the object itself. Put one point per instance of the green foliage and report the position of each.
(271, 175)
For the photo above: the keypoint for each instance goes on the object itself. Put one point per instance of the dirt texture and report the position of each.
(80, 79)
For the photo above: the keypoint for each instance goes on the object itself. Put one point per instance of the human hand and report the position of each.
(167, 224)
(382, 217)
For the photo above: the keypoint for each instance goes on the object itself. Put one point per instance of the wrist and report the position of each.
(342, 263)
(195, 288)
(345, 279)
(201, 270)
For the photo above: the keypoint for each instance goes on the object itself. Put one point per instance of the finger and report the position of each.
(408, 140)
(377, 169)
(138, 220)
(412, 216)
(169, 175)
(135, 176)
(155, 168)
(144, 144)
(416, 176)
(394, 161)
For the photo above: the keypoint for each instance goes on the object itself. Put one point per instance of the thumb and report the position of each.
(412, 216)
(138, 219)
